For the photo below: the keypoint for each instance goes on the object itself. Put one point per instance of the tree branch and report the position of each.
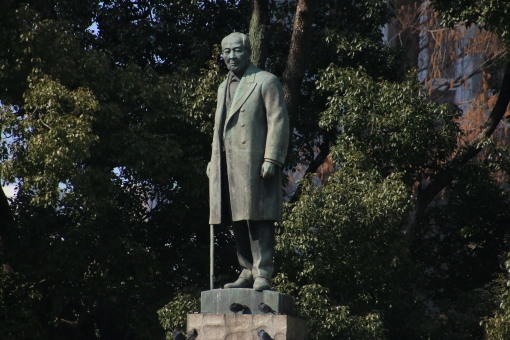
(464, 154)
(469, 151)
(82, 317)
(314, 165)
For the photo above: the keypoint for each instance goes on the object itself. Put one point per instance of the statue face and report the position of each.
(236, 56)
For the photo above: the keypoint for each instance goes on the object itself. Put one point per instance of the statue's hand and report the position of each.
(268, 170)
(208, 171)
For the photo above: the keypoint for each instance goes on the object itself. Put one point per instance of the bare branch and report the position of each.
(314, 165)
(469, 151)
(82, 317)
(45, 125)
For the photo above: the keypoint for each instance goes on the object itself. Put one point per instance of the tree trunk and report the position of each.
(294, 72)
(296, 61)
(259, 35)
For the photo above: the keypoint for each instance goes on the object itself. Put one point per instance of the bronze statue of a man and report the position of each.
(251, 136)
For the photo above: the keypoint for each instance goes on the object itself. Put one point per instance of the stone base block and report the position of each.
(217, 301)
(245, 326)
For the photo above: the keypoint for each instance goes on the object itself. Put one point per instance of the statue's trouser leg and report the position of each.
(244, 256)
(262, 248)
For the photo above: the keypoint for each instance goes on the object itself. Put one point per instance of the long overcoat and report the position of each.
(256, 128)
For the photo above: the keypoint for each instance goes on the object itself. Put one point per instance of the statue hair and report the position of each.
(244, 38)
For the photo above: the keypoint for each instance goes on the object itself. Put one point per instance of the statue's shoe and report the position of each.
(261, 283)
(239, 283)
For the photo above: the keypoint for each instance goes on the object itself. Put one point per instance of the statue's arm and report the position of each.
(278, 129)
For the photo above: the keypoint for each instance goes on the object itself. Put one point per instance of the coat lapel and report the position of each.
(245, 88)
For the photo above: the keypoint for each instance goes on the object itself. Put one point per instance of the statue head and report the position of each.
(236, 52)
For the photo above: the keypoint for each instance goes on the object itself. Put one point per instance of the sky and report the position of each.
(9, 190)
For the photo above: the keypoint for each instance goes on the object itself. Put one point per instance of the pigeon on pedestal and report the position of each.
(265, 308)
(237, 307)
(263, 335)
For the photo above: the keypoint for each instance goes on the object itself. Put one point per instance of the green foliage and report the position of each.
(17, 298)
(497, 326)
(390, 125)
(329, 228)
(173, 315)
(491, 15)
(464, 233)
(341, 245)
(329, 322)
(199, 95)
(51, 140)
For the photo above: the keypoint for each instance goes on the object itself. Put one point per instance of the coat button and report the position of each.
(242, 124)
(243, 141)
(242, 109)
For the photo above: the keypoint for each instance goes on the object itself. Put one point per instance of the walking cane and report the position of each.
(211, 255)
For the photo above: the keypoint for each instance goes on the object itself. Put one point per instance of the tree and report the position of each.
(107, 135)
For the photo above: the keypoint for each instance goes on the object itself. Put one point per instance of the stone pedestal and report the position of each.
(246, 326)
(217, 322)
(217, 301)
